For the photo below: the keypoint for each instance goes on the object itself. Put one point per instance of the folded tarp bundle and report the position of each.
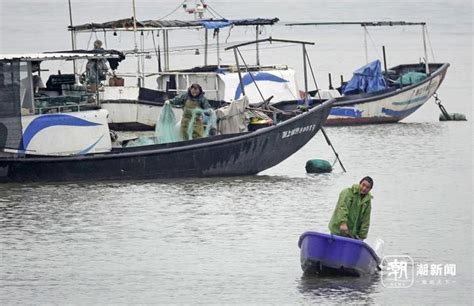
(366, 79)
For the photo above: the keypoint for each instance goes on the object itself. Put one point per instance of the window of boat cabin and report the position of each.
(10, 108)
(26, 89)
(10, 93)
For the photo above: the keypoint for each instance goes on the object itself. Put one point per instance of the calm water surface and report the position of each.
(234, 240)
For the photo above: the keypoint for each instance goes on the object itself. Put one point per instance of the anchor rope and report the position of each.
(441, 107)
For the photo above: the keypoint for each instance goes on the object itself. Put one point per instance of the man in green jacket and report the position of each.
(351, 218)
(193, 100)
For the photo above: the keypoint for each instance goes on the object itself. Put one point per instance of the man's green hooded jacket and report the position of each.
(353, 210)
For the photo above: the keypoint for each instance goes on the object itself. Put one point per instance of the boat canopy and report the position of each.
(62, 55)
(128, 24)
(366, 79)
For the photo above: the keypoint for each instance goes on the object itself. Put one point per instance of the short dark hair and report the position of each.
(369, 180)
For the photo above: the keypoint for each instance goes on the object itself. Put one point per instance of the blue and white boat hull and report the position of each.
(386, 106)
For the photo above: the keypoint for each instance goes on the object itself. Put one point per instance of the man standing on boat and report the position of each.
(96, 69)
(351, 218)
(194, 103)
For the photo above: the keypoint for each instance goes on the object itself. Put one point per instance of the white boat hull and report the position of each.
(390, 106)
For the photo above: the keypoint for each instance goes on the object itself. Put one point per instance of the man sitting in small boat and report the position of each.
(351, 218)
(193, 101)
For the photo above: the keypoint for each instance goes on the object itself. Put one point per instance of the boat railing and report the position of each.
(184, 80)
(65, 107)
(71, 98)
(58, 109)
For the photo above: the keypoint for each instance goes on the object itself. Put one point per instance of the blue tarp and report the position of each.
(367, 78)
(216, 24)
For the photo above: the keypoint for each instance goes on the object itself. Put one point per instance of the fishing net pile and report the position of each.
(167, 129)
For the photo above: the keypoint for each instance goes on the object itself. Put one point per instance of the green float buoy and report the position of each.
(318, 166)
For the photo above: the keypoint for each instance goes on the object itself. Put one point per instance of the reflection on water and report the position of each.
(339, 288)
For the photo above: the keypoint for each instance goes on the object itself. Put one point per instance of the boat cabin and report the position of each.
(34, 115)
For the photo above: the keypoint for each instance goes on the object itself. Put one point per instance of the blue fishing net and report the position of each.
(165, 130)
(209, 118)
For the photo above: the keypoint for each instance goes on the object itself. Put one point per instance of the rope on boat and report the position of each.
(173, 11)
(334, 150)
(373, 42)
(429, 43)
(445, 116)
(441, 107)
(322, 129)
(251, 75)
(213, 10)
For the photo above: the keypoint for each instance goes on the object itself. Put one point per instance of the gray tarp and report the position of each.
(232, 118)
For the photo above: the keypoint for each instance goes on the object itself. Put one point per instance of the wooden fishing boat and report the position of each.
(376, 96)
(389, 105)
(135, 105)
(330, 254)
(69, 138)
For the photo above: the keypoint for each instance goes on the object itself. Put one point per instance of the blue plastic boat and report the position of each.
(331, 254)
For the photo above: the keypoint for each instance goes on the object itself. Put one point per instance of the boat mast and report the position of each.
(73, 36)
(135, 41)
(256, 46)
(166, 50)
(218, 53)
(305, 72)
(206, 35)
(241, 84)
(423, 28)
(365, 44)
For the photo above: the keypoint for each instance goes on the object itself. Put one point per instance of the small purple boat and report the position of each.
(331, 254)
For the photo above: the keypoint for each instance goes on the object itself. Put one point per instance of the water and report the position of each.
(234, 240)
